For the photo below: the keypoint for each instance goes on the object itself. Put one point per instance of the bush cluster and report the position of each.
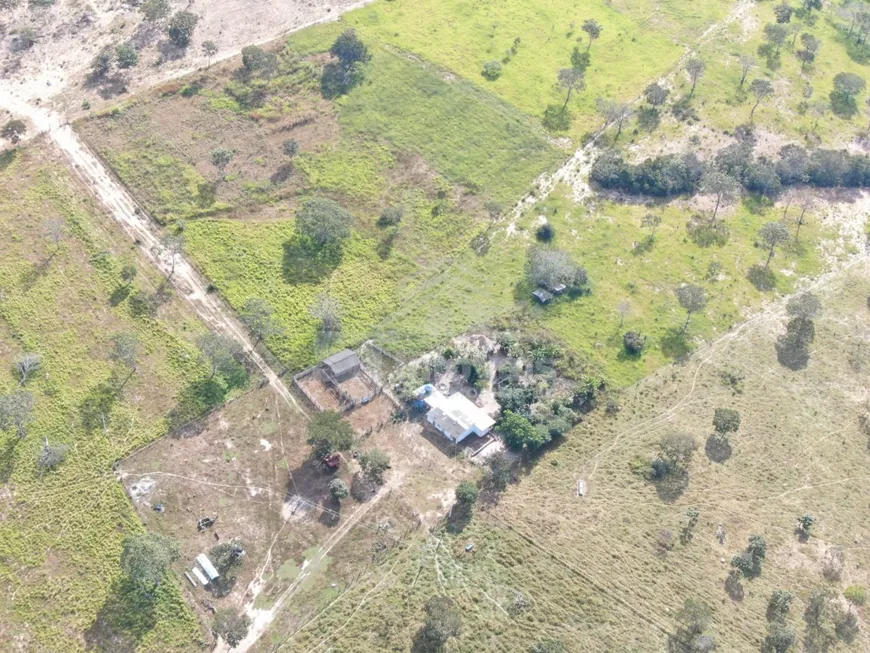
(674, 174)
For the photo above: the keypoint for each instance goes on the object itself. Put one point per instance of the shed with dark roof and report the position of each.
(342, 365)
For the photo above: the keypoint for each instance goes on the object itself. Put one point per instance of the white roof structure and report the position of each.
(206, 565)
(200, 575)
(455, 416)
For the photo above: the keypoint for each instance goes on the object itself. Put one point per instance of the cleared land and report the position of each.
(249, 465)
(592, 571)
(375, 148)
(61, 531)
(640, 41)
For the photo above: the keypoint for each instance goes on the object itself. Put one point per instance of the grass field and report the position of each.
(605, 239)
(61, 532)
(437, 146)
(791, 113)
(590, 569)
(640, 41)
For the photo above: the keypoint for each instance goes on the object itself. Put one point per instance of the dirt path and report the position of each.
(262, 618)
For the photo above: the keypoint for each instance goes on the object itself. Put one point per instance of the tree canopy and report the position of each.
(180, 28)
(145, 558)
(323, 222)
(328, 433)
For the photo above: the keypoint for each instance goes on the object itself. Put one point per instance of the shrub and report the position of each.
(662, 176)
(374, 463)
(634, 342)
(556, 118)
(545, 233)
(466, 493)
(323, 222)
(391, 216)
(491, 70)
(180, 28)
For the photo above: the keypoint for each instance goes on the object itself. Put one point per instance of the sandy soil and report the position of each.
(52, 73)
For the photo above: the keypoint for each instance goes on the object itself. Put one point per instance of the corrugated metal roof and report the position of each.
(200, 575)
(206, 565)
(342, 362)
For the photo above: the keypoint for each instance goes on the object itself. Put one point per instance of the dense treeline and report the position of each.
(674, 174)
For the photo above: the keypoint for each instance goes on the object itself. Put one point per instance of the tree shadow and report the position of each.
(707, 233)
(125, 618)
(8, 458)
(649, 118)
(761, 277)
(459, 518)
(675, 344)
(96, 408)
(733, 586)
(643, 246)
(118, 295)
(671, 487)
(718, 448)
(790, 355)
(843, 106)
(7, 157)
(32, 275)
(363, 488)
(282, 174)
(169, 51)
(301, 264)
(331, 513)
(196, 399)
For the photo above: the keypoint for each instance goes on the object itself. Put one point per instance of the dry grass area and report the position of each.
(591, 569)
(249, 465)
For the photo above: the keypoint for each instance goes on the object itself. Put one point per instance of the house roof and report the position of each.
(342, 362)
(456, 414)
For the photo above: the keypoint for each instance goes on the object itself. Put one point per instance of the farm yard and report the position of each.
(516, 327)
(612, 568)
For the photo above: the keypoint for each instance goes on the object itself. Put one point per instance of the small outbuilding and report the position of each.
(207, 566)
(343, 365)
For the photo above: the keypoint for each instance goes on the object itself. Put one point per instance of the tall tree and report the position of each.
(180, 28)
(773, 234)
(209, 49)
(571, 79)
(747, 63)
(775, 35)
(783, 13)
(807, 54)
(220, 351)
(443, 621)
(327, 311)
(125, 350)
(146, 558)
(617, 113)
(692, 298)
(13, 131)
(328, 433)
(656, 94)
(16, 412)
(725, 187)
(593, 30)
(695, 68)
(259, 317)
(55, 232)
(26, 365)
(652, 221)
(761, 89)
(220, 159)
(374, 464)
(172, 245)
(51, 456)
(323, 222)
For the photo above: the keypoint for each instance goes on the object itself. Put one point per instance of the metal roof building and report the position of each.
(342, 365)
(456, 416)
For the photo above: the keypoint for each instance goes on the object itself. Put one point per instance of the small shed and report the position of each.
(342, 365)
(200, 576)
(542, 296)
(558, 289)
(207, 566)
